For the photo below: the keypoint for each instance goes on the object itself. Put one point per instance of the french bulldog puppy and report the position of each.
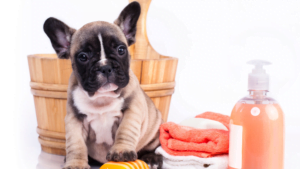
(109, 117)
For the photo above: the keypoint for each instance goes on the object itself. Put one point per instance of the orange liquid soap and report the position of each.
(257, 131)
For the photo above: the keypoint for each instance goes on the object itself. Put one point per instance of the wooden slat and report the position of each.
(41, 115)
(131, 50)
(65, 70)
(50, 113)
(56, 151)
(63, 88)
(52, 144)
(158, 71)
(50, 71)
(160, 93)
(49, 94)
(136, 67)
(164, 106)
(158, 86)
(49, 87)
(51, 134)
(63, 95)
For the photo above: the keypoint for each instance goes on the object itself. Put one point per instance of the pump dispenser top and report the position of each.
(258, 79)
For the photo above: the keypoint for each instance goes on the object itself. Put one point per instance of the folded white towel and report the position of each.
(192, 162)
(201, 123)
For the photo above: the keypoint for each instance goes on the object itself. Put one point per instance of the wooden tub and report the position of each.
(49, 82)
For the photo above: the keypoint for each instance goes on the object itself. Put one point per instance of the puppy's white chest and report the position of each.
(102, 112)
(102, 125)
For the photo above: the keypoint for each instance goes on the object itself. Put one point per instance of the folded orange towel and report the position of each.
(183, 141)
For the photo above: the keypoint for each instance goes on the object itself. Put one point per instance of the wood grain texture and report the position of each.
(63, 88)
(49, 82)
(51, 134)
(158, 71)
(47, 68)
(49, 94)
(48, 142)
(136, 67)
(50, 113)
(63, 95)
(160, 93)
(48, 87)
(53, 150)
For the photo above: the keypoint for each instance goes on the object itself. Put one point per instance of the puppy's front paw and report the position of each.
(119, 154)
(76, 164)
(153, 160)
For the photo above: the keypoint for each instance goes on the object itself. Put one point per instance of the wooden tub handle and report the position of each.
(142, 48)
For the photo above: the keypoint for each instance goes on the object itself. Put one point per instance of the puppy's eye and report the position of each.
(121, 50)
(82, 57)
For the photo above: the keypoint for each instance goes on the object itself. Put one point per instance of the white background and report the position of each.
(212, 39)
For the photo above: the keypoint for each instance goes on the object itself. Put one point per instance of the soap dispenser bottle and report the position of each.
(257, 126)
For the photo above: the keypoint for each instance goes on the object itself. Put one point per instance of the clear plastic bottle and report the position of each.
(257, 126)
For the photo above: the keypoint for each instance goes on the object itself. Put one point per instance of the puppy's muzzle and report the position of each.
(106, 70)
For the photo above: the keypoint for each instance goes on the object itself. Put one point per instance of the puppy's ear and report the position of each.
(60, 36)
(127, 21)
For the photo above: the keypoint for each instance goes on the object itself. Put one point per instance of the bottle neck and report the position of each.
(258, 97)
(258, 94)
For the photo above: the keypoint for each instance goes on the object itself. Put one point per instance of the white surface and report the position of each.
(212, 39)
(31, 157)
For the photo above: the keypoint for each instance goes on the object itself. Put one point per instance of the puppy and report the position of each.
(109, 117)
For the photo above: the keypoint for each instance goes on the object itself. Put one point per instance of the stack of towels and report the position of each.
(197, 143)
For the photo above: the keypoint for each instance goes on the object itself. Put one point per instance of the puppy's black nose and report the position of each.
(105, 70)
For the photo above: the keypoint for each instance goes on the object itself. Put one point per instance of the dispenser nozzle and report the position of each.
(258, 79)
(258, 62)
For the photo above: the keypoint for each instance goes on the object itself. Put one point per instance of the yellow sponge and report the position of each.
(138, 164)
